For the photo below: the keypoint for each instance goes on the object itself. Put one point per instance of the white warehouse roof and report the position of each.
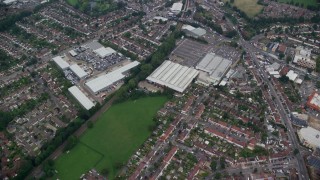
(60, 62)
(176, 7)
(292, 75)
(78, 71)
(311, 135)
(173, 75)
(106, 80)
(82, 98)
(103, 52)
(216, 66)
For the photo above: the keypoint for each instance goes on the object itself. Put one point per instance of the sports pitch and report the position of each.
(250, 7)
(117, 134)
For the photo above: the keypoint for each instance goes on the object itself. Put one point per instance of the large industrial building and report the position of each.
(176, 7)
(310, 137)
(103, 82)
(78, 71)
(104, 52)
(61, 63)
(212, 69)
(193, 32)
(81, 97)
(173, 76)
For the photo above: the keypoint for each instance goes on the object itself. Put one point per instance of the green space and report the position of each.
(304, 3)
(95, 8)
(116, 135)
(250, 7)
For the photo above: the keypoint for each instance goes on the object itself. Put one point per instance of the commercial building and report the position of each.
(173, 76)
(104, 52)
(292, 75)
(104, 82)
(78, 71)
(81, 97)
(73, 53)
(310, 137)
(176, 7)
(192, 31)
(61, 63)
(303, 58)
(212, 69)
(314, 101)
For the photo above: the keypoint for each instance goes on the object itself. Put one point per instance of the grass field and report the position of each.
(73, 2)
(114, 138)
(304, 2)
(250, 7)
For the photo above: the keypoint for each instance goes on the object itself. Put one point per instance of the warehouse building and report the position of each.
(176, 7)
(193, 32)
(104, 82)
(78, 71)
(104, 52)
(81, 97)
(61, 63)
(173, 76)
(212, 69)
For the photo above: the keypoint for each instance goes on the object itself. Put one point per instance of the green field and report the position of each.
(304, 2)
(116, 135)
(73, 2)
(250, 7)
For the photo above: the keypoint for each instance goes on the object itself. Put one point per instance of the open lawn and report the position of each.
(116, 135)
(73, 2)
(304, 2)
(250, 7)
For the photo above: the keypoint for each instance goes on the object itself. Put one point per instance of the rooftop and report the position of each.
(311, 135)
(215, 66)
(81, 97)
(60, 62)
(103, 52)
(173, 75)
(78, 71)
(106, 80)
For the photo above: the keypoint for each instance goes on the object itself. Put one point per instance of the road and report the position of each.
(37, 170)
(303, 173)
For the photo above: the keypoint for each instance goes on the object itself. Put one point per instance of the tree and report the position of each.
(288, 59)
(318, 64)
(213, 165)
(105, 172)
(71, 142)
(217, 176)
(89, 124)
(296, 151)
(281, 56)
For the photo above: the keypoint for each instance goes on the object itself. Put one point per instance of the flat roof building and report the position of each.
(73, 53)
(310, 137)
(192, 31)
(78, 71)
(314, 101)
(303, 58)
(61, 63)
(101, 83)
(173, 76)
(176, 7)
(213, 68)
(104, 52)
(81, 97)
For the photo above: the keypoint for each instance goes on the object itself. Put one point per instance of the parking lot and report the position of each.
(189, 52)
